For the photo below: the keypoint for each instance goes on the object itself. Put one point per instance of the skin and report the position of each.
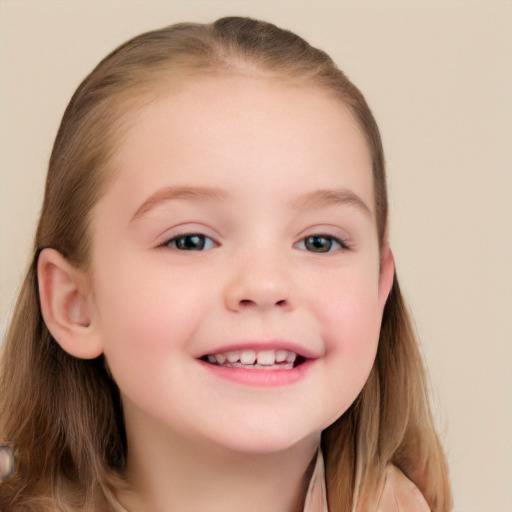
(196, 441)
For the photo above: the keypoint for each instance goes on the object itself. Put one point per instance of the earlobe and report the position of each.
(387, 275)
(66, 306)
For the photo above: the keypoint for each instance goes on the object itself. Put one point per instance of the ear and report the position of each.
(66, 305)
(387, 275)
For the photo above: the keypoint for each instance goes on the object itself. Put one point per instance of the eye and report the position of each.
(191, 242)
(322, 243)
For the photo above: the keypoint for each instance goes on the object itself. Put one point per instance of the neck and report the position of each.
(170, 474)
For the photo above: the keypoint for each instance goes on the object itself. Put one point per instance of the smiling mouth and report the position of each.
(256, 359)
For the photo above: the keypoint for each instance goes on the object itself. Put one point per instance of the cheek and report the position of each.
(350, 311)
(144, 317)
(351, 318)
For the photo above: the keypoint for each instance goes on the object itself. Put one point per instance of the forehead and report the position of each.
(250, 130)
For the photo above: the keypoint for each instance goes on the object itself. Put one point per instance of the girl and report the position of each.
(212, 320)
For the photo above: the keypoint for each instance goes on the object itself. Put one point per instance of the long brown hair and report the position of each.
(64, 414)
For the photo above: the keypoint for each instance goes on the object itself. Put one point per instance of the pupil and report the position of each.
(190, 242)
(318, 243)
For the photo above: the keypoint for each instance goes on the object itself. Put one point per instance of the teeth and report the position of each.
(290, 358)
(281, 356)
(268, 359)
(247, 356)
(233, 357)
(282, 366)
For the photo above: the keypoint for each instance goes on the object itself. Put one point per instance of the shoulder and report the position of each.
(398, 494)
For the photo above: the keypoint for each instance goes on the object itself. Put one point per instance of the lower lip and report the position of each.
(260, 377)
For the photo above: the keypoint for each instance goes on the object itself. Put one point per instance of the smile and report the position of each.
(259, 363)
(256, 359)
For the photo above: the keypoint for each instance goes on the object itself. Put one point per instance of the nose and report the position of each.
(260, 283)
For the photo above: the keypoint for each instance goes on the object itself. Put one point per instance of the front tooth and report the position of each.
(281, 356)
(247, 356)
(221, 358)
(266, 357)
(233, 357)
(290, 358)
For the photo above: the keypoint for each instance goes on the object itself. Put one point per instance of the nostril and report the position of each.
(248, 302)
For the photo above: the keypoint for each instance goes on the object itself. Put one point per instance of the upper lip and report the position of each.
(258, 345)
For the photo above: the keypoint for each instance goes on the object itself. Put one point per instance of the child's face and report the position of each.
(241, 218)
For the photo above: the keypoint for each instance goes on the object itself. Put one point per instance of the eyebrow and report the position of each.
(311, 200)
(178, 192)
(327, 197)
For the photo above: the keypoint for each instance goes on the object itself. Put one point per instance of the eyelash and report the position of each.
(172, 243)
(203, 240)
(342, 244)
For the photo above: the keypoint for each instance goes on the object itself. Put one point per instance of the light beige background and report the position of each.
(438, 76)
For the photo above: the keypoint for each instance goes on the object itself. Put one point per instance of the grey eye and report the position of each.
(191, 242)
(318, 243)
(321, 244)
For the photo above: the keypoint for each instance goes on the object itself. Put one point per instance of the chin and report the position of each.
(267, 441)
